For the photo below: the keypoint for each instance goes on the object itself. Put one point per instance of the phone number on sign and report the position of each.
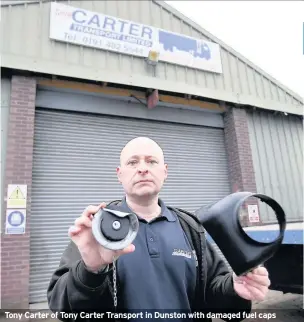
(111, 45)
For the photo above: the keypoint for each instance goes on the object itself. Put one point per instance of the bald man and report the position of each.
(142, 173)
(169, 266)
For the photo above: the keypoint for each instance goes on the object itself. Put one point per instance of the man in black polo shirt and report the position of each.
(162, 271)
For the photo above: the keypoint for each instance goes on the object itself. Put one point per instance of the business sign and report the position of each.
(92, 29)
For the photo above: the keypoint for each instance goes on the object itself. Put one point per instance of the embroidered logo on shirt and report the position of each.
(185, 253)
(181, 252)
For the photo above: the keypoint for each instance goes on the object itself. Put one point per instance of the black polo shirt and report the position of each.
(161, 273)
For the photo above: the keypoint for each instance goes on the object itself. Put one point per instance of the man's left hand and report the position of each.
(253, 286)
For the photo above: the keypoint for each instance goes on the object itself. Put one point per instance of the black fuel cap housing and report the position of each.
(221, 221)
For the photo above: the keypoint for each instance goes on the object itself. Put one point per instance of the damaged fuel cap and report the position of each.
(221, 221)
(114, 229)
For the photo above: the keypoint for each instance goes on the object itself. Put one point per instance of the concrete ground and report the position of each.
(277, 307)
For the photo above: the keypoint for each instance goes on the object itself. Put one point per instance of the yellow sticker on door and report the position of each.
(16, 196)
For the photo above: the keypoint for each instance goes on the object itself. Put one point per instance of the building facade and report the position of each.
(77, 84)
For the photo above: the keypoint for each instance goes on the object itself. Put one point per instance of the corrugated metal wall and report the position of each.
(240, 82)
(277, 151)
(4, 116)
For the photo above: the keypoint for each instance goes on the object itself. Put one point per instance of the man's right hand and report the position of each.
(93, 254)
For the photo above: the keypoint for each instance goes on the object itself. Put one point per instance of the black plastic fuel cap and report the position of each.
(114, 229)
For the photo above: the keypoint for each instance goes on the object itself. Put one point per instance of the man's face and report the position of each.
(142, 170)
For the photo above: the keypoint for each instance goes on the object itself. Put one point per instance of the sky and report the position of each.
(268, 33)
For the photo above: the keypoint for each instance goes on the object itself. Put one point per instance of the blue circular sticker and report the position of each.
(16, 218)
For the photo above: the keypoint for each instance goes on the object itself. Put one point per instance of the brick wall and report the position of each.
(241, 171)
(19, 156)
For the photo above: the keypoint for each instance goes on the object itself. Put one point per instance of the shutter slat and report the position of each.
(74, 162)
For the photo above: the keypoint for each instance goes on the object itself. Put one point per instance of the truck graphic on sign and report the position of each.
(196, 48)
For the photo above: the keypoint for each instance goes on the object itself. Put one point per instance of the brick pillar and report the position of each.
(19, 157)
(240, 162)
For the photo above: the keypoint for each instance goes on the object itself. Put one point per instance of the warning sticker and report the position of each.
(15, 221)
(16, 196)
(253, 213)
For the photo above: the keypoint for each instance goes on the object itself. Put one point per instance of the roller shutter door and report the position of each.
(74, 162)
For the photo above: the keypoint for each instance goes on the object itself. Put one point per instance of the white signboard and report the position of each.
(253, 213)
(15, 221)
(16, 195)
(92, 29)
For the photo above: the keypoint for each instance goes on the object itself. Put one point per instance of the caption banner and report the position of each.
(138, 315)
